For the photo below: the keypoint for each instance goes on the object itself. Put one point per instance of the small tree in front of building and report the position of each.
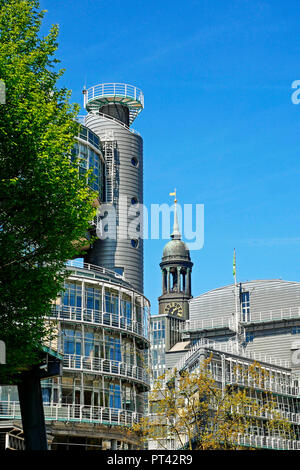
(195, 412)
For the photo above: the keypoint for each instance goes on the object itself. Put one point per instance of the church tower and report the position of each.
(176, 268)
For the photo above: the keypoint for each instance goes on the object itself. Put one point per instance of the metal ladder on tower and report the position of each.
(109, 149)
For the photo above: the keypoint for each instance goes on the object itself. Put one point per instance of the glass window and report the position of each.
(128, 352)
(126, 310)
(71, 297)
(88, 343)
(249, 337)
(88, 159)
(93, 298)
(112, 348)
(245, 307)
(69, 342)
(134, 243)
(114, 396)
(46, 394)
(111, 302)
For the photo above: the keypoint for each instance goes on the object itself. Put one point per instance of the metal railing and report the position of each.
(114, 89)
(251, 317)
(283, 389)
(231, 348)
(274, 314)
(258, 442)
(207, 323)
(270, 385)
(96, 317)
(130, 129)
(128, 95)
(81, 413)
(93, 267)
(265, 442)
(94, 364)
(13, 442)
(81, 120)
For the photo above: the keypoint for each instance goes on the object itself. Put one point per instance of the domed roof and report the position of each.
(176, 248)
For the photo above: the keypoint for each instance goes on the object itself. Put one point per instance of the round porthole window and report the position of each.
(134, 243)
(134, 201)
(134, 161)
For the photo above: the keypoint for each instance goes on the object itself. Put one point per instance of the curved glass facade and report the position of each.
(103, 332)
(88, 152)
(102, 329)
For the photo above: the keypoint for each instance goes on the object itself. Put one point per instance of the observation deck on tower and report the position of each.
(106, 94)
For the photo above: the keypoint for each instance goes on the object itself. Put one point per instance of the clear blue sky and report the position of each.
(218, 123)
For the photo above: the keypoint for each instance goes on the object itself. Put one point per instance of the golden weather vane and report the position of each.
(174, 194)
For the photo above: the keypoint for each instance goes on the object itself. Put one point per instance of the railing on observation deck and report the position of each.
(80, 413)
(96, 317)
(122, 93)
(113, 89)
(94, 364)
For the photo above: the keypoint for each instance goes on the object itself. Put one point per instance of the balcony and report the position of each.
(75, 413)
(98, 318)
(105, 366)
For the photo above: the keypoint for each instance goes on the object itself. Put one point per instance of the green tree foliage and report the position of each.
(44, 206)
(196, 412)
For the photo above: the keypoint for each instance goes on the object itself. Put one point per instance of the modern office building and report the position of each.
(268, 314)
(227, 360)
(102, 316)
(239, 323)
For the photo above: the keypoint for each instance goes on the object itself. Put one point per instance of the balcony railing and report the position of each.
(207, 324)
(87, 363)
(93, 267)
(96, 317)
(251, 317)
(272, 315)
(264, 442)
(80, 413)
(230, 348)
(283, 389)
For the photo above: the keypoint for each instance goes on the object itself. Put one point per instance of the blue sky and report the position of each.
(218, 124)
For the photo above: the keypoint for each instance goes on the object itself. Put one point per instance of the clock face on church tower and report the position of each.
(173, 308)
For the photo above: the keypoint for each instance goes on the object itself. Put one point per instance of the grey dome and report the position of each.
(176, 248)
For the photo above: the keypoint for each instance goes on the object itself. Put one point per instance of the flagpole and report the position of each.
(236, 298)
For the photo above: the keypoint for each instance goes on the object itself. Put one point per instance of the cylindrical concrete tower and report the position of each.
(111, 110)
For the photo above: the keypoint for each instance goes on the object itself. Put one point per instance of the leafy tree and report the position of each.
(44, 206)
(195, 411)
